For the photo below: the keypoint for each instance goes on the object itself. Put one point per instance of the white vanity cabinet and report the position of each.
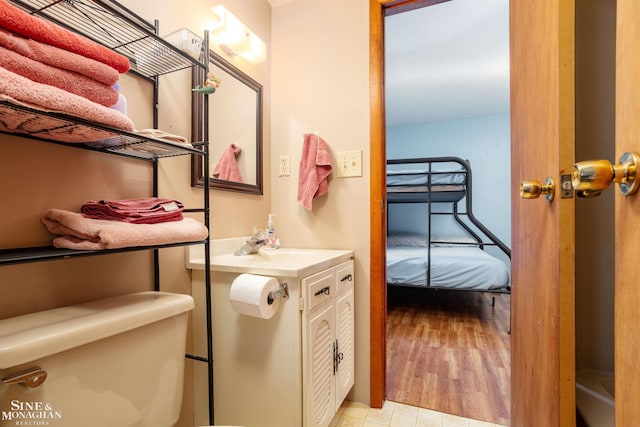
(328, 342)
(282, 371)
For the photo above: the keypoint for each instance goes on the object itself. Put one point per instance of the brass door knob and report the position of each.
(532, 189)
(591, 177)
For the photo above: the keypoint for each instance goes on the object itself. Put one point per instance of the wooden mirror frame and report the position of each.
(199, 130)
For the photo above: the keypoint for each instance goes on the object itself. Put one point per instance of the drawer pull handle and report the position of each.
(348, 277)
(337, 357)
(326, 290)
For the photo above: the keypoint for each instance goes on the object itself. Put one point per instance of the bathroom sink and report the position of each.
(280, 262)
(284, 254)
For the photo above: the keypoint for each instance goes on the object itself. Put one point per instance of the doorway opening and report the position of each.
(447, 94)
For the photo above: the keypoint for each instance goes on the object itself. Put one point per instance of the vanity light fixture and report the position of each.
(234, 38)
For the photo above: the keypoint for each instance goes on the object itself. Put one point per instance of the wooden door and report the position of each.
(627, 272)
(543, 343)
(543, 237)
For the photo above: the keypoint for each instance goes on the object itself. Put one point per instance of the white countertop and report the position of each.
(290, 262)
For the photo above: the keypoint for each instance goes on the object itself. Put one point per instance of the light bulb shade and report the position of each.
(234, 37)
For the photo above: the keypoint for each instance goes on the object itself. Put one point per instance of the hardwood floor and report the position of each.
(449, 351)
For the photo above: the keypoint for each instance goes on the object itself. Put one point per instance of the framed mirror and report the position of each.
(234, 129)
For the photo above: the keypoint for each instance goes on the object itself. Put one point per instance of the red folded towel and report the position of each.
(145, 210)
(18, 21)
(59, 58)
(66, 80)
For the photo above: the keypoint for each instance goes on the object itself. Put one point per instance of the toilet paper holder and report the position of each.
(282, 291)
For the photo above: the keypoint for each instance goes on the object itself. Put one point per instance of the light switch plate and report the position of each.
(349, 163)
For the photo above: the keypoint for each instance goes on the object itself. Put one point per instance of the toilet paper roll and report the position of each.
(249, 295)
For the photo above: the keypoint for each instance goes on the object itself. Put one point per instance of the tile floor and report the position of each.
(393, 414)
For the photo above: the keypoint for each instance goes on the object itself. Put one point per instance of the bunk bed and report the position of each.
(429, 259)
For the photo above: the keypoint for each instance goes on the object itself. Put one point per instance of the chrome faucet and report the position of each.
(252, 245)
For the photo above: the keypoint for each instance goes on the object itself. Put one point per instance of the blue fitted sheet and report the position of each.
(458, 267)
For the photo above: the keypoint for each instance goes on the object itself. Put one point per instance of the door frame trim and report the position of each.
(377, 208)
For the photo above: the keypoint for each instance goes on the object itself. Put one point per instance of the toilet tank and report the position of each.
(112, 362)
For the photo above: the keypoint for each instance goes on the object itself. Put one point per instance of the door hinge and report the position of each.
(301, 304)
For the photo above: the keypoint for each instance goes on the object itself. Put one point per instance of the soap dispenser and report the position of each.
(272, 241)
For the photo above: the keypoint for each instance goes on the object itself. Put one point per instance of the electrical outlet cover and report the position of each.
(285, 166)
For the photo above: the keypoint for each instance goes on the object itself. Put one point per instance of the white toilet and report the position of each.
(113, 362)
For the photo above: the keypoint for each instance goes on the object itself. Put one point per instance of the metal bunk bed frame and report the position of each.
(454, 196)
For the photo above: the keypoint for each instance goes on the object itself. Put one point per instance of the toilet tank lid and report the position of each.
(33, 336)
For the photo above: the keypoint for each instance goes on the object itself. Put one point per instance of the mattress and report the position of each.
(440, 175)
(452, 267)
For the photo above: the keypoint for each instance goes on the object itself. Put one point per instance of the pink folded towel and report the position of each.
(227, 167)
(78, 232)
(22, 91)
(315, 168)
(60, 58)
(145, 210)
(66, 80)
(20, 22)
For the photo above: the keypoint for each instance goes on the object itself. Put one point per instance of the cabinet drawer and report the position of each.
(319, 288)
(344, 276)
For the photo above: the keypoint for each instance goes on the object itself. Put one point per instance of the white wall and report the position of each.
(320, 68)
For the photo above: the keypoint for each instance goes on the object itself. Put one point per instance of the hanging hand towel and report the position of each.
(315, 168)
(227, 167)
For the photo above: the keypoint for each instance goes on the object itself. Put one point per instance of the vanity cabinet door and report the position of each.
(319, 391)
(345, 345)
(345, 320)
(328, 343)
